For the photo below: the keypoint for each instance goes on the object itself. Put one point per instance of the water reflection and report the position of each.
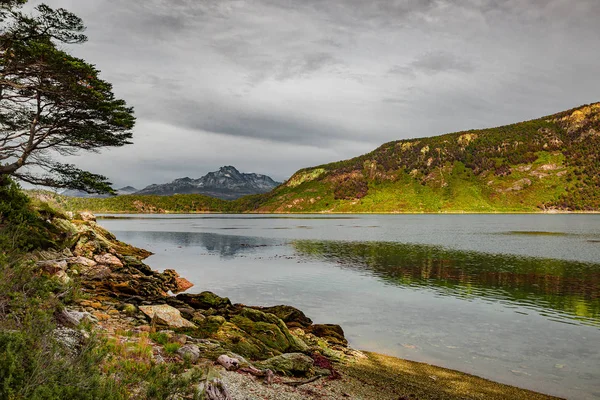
(565, 291)
(226, 246)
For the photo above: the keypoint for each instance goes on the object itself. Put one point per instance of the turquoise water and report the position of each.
(513, 298)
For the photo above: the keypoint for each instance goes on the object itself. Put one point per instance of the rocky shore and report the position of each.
(240, 351)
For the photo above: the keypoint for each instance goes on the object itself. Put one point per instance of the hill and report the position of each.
(551, 163)
(227, 183)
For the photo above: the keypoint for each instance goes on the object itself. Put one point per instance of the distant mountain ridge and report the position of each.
(227, 183)
(79, 193)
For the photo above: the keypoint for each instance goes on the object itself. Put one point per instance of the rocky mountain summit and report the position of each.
(227, 183)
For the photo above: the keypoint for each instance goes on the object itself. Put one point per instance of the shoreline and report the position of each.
(102, 213)
(122, 291)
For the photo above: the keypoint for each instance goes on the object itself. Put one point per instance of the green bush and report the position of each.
(21, 227)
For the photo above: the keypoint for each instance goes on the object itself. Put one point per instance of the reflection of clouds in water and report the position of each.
(227, 246)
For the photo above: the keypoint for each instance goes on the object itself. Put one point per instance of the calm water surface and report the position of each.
(513, 298)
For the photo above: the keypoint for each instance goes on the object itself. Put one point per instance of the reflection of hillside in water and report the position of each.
(225, 245)
(564, 290)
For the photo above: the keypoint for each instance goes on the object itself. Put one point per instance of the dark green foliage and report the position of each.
(350, 188)
(54, 103)
(21, 227)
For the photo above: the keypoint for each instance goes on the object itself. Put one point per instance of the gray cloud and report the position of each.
(272, 86)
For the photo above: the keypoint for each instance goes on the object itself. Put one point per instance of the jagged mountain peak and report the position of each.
(225, 183)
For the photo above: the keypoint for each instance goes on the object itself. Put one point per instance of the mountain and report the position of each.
(79, 193)
(126, 190)
(551, 163)
(226, 183)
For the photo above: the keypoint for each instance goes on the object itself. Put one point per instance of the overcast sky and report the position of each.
(271, 86)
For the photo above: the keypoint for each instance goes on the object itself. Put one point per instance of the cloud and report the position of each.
(274, 86)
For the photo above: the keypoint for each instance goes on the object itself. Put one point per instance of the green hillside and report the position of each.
(134, 204)
(548, 163)
(551, 163)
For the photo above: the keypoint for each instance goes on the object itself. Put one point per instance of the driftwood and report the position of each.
(266, 373)
(216, 390)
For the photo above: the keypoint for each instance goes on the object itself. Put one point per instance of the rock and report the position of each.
(176, 283)
(83, 261)
(95, 304)
(182, 285)
(71, 339)
(167, 315)
(330, 332)
(253, 334)
(204, 300)
(198, 318)
(87, 216)
(143, 328)
(62, 277)
(288, 364)
(229, 363)
(101, 316)
(129, 309)
(181, 339)
(53, 266)
(108, 259)
(73, 318)
(189, 352)
(292, 317)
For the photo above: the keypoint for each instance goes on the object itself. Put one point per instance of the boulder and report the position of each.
(292, 317)
(288, 364)
(189, 352)
(330, 332)
(166, 315)
(253, 334)
(108, 259)
(204, 300)
(83, 261)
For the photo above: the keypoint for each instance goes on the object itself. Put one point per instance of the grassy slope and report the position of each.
(552, 162)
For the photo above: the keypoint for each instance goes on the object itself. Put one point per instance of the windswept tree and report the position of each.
(51, 103)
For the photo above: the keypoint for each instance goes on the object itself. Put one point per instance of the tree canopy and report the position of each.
(52, 103)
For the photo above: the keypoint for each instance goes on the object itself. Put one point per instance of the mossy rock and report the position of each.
(292, 317)
(269, 329)
(238, 341)
(330, 332)
(204, 300)
(296, 364)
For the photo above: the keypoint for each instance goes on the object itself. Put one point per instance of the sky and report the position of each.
(272, 86)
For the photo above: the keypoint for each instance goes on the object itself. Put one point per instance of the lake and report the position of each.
(512, 298)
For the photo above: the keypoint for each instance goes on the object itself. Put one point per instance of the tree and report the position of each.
(52, 103)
